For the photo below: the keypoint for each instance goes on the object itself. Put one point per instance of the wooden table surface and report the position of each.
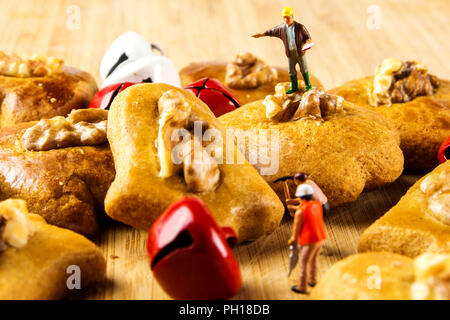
(351, 38)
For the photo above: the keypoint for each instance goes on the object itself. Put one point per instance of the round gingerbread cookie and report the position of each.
(344, 148)
(417, 103)
(40, 87)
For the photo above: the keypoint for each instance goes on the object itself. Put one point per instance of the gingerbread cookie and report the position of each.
(36, 87)
(386, 276)
(62, 167)
(416, 102)
(344, 148)
(247, 77)
(37, 259)
(420, 222)
(162, 139)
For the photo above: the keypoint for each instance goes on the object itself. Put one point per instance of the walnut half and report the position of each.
(200, 170)
(249, 72)
(15, 226)
(397, 81)
(82, 127)
(314, 104)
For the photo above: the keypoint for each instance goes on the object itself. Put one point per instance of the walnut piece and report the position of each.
(314, 104)
(200, 169)
(432, 273)
(82, 127)
(437, 193)
(15, 226)
(397, 81)
(203, 175)
(249, 72)
(29, 66)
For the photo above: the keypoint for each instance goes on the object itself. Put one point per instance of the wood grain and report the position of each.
(345, 48)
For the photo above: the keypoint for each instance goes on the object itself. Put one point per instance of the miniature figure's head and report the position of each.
(288, 15)
(300, 178)
(304, 192)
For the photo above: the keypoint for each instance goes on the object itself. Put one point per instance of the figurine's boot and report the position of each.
(307, 82)
(294, 84)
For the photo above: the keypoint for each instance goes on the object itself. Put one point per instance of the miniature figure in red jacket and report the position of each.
(309, 231)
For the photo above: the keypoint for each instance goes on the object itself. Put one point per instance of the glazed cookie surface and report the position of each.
(36, 87)
(62, 167)
(419, 223)
(420, 111)
(386, 276)
(141, 121)
(35, 257)
(344, 148)
(218, 70)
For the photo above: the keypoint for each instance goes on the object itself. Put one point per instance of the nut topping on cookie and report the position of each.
(201, 171)
(432, 277)
(29, 66)
(437, 192)
(314, 104)
(249, 72)
(397, 81)
(15, 227)
(82, 127)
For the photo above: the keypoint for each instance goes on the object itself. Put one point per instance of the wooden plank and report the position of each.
(346, 47)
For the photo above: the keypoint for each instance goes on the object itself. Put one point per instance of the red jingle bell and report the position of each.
(215, 95)
(190, 254)
(104, 97)
(444, 151)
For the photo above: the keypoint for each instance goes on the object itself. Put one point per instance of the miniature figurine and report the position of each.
(318, 194)
(308, 230)
(218, 98)
(287, 194)
(190, 255)
(296, 40)
(131, 58)
(298, 179)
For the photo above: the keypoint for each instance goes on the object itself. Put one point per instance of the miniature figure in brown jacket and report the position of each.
(296, 40)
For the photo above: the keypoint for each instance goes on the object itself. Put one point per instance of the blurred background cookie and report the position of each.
(37, 259)
(386, 276)
(36, 87)
(416, 102)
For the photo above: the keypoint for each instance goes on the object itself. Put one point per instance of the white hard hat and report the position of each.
(304, 190)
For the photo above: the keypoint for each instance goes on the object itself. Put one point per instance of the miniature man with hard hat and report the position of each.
(308, 230)
(296, 40)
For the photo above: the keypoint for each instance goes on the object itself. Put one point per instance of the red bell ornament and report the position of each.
(190, 255)
(104, 97)
(444, 151)
(215, 95)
